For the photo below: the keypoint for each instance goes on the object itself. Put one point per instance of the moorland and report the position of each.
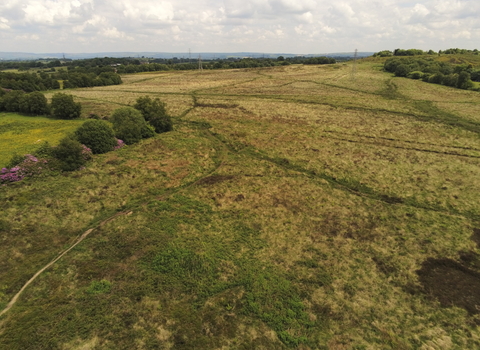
(309, 207)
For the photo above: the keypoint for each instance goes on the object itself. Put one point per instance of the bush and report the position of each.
(64, 107)
(147, 131)
(70, 154)
(97, 135)
(464, 81)
(402, 70)
(415, 75)
(436, 78)
(15, 160)
(129, 125)
(155, 113)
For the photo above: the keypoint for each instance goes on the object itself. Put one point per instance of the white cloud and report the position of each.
(238, 25)
(150, 11)
(4, 23)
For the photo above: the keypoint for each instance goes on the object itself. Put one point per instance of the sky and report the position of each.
(268, 26)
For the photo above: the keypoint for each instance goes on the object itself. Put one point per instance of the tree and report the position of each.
(155, 113)
(402, 70)
(70, 154)
(11, 100)
(464, 81)
(64, 107)
(129, 125)
(96, 135)
(34, 103)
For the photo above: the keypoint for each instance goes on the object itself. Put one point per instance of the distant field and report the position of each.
(304, 207)
(21, 134)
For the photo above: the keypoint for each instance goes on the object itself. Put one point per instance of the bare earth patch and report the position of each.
(451, 283)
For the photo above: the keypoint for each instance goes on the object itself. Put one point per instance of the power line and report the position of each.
(354, 66)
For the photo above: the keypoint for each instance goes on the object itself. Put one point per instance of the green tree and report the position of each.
(12, 100)
(402, 70)
(64, 107)
(70, 154)
(34, 103)
(464, 81)
(155, 113)
(97, 135)
(129, 125)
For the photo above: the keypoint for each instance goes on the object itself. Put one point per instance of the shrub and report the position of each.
(464, 81)
(436, 78)
(129, 125)
(97, 135)
(15, 160)
(415, 75)
(155, 113)
(64, 107)
(23, 166)
(147, 131)
(70, 153)
(402, 70)
(450, 80)
(44, 150)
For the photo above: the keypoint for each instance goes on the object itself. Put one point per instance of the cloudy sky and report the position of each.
(269, 26)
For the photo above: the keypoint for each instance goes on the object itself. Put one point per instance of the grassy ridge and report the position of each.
(290, 208)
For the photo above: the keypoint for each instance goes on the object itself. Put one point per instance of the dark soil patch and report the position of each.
(476, 236)
(390, 199)
(470, 259)
(210, 180)
(451, 283)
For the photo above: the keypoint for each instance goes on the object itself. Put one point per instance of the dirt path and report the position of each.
(80, 239)
(15, 298)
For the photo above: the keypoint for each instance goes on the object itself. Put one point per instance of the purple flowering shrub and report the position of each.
(30, 166)
(86, 153)
(119, 145)
(10, 175)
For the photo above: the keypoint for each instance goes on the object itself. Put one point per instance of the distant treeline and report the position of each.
(416, 52)
(42, 81)
(98, 66)
(430, 70)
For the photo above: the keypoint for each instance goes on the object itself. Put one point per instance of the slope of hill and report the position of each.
(295, 207)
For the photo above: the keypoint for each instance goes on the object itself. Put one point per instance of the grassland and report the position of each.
(293, 207)
(21, 134)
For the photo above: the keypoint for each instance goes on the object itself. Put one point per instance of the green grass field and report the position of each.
(21, 134)
(292, 207)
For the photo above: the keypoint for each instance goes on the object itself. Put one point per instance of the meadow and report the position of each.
(23, 134)
(307, 207)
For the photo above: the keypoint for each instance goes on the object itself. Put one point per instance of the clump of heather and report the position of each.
(10, 175)
(87, 153)
(28, 167)
(119, 145)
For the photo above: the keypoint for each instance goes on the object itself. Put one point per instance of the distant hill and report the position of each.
(204, 55)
